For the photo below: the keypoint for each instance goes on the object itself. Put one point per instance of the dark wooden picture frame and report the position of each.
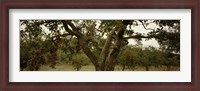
(100, 4)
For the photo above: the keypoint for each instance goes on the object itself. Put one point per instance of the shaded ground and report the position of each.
(67, 67)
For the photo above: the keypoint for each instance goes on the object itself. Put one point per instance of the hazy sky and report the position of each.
(140, 29)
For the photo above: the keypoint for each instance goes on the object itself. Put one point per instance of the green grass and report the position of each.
(67, 67)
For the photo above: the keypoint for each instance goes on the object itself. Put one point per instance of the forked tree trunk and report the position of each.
(106, 55)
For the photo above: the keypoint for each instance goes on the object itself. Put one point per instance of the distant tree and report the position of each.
(129, 57)
(171, 60)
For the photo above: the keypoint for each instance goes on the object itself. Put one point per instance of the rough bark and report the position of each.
(115, 51)
(88, 52)
(105, 50)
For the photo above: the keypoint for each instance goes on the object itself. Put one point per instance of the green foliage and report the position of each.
(130, 57)
(80, 60)
(62, 56)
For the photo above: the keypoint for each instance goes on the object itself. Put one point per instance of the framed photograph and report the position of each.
(147, 45)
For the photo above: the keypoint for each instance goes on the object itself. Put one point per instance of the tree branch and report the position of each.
(88, 52)
(139, 37)
(145, 26)
(82, 41)
(65, 24)
(74, 28)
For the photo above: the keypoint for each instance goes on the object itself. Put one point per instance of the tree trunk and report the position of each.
(105, 51)
(147, 68)
(114, 53)
(87, 51)
(168, 68)
(124, 66)
(133, 68)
